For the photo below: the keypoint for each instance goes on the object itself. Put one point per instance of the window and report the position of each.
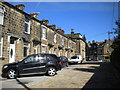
(35, 49)
(44, 30)
(1, 15)
(43, 49)
(30, 59)
(26, 49)
(107, 44)
(68, 44)
(63, 40)
(1, 46)
(55, 38)
(55, 51)
(27, 26)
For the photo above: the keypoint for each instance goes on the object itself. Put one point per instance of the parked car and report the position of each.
(63, 61)
(76, 59)
(33, 64)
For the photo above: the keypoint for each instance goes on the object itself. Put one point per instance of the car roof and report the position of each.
(41, 54)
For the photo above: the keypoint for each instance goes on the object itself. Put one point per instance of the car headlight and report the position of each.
(5, 67)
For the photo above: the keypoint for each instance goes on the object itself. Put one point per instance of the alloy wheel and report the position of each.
(12, 74)
(51, 71)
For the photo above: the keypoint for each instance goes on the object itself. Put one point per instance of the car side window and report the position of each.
(30, 59)
(41, 58)
(53, 57)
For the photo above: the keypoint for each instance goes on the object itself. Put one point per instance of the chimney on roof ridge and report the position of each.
(20, 6)
(45, 22)
(53, 26)
(35, 15)
(59, 30)
(72, 31)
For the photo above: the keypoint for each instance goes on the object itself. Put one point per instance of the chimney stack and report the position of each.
(45, 22)
(35, 15)
(72, 31)
(20, 6)
(59, 30)
(53, 26)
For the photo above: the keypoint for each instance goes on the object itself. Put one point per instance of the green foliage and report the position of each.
(116, 44)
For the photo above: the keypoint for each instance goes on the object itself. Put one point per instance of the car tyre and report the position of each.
(12, 74)
(51, 71)
(67, 65)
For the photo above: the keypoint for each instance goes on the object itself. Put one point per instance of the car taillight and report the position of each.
(59, 62)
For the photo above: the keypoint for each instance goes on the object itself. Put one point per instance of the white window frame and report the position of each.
(36, 49)
(44, 32)
(55, 51)
(43, 45)
(28, 48)
(2, 14)
(28, 28)
(63, 40)
(68, 44)
(55, 38)
(1, 46)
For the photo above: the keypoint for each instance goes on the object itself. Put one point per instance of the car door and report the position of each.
(43, 61)
(30, 64)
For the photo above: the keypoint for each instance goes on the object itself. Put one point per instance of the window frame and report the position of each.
(55, 38)
(28, 28)
(63, 41)
(68, 44)
(28, 47)
(45, 48)
(2, 14)
(44, 33)
(1, 42)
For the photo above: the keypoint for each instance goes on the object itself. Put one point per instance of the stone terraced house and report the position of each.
(22, 34)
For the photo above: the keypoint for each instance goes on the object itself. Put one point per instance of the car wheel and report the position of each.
(12, 74)
(67, 65)
(51, 71)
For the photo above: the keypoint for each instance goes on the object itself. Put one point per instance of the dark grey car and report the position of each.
(33, 64)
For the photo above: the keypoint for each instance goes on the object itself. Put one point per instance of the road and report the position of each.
(74, 76)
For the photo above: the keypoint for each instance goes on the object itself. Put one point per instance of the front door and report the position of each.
(12, 53)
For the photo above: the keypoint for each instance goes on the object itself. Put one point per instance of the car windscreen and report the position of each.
(74, 57)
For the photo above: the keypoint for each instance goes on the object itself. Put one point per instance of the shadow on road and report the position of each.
(92, 62)
(34, 75)
(85, 70)
(23, 84)
(90, 68)
(88, 62)
(104, 77)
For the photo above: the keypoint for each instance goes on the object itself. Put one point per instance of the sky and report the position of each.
(92, 19)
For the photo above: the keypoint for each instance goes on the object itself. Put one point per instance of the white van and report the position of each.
(76, 59)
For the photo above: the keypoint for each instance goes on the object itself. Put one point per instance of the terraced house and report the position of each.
(22, 34)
